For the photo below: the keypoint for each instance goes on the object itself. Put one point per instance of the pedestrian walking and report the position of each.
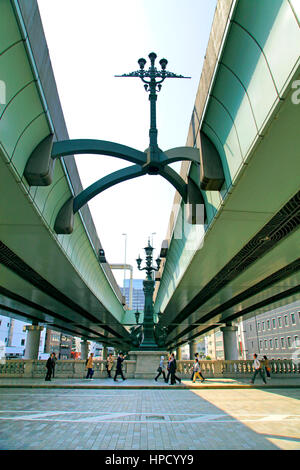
(197, 371)
(257, 370)
(119, 371)
(54, 359)
(173, 368)
(49, 366)
(161, 369)
(109, 364)
(89, 367)
(267, 367)
(196, 357)
(168, 369)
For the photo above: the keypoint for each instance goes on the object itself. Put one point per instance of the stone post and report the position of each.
(230, 342)
(32, 341)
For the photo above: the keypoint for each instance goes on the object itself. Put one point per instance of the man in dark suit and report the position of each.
(119, 371)
(49, 365)
(173, 367)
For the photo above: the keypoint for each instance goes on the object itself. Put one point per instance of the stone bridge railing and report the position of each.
(63, 369)
(77, 369)
(238, 368)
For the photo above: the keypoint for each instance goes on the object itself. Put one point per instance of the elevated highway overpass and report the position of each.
(245, 123)
(45, 278)
(245, 259)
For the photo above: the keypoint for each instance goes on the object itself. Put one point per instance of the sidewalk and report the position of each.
(221, 414)
(210, 383)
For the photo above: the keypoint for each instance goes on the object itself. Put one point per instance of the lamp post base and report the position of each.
(147, 363)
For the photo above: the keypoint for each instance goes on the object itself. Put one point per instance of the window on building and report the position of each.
(274, 322)
(8, 324)
(22, 342)
(268, 324)
(297, 342)
(250, 327)
(271, 344)
(276, 343)
(282, 342)
(260, 344)
(286, 322)
(266, 344)
(0, 322)
(263, 325)
(252, 345)
(279, 322)
(293, 319)
(289, 342)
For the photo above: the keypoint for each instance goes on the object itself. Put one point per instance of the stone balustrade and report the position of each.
(237, 368)
(68, 369)
(77, 369)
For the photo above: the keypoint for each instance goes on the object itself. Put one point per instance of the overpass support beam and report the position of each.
(193, 349)
(230, 342)
(178, 354)
(84, 349)
(33, 341)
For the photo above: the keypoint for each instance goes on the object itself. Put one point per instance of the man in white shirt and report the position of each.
(257, 370)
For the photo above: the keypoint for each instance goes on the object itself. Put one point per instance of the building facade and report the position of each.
(138, 298)
(275, 334)
(61, 344)
(13, 337)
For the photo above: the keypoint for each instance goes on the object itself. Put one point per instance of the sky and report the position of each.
(90, 42)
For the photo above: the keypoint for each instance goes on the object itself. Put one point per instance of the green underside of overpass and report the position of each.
(250, 118)
(27, 214)
(252, 121)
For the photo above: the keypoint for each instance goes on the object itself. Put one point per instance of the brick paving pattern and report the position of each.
(149, 419)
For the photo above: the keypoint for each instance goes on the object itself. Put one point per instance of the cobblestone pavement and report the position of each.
(212, 382)
(155, 419)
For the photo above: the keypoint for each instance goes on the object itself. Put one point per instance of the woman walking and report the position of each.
(197, 372)
(109, 364)
(89, 367)
(161, 369)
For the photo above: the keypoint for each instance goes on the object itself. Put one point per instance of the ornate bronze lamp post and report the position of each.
(152, 79)
(148, 342)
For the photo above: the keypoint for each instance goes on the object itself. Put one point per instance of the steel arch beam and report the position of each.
(107, 182)
(99, 147)
(65, 218)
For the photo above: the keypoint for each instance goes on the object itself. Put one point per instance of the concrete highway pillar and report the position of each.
(193, 349)
(230, 342)
(32, 341)
(84, 349)
(104, 352)
(178, 354)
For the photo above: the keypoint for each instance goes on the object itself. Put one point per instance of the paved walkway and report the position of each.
(120, 417)
(282, 381)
